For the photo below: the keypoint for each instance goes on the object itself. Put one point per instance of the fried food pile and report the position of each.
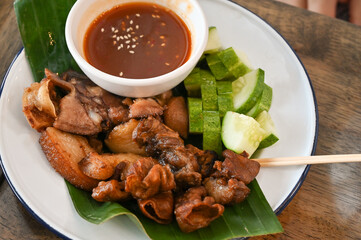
(124, 149)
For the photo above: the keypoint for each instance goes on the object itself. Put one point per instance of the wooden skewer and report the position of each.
(318, 159)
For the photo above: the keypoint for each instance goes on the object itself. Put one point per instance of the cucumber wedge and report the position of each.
(266, 122)
(247, 90)
(209, 97)
(214, 43)
(212, 132)
(217, 68)
(224, 87)
(244, 58)
(241, 133)
(225, 103)
(263, 103)
(193, 83)
(195, 115)
(232, 62)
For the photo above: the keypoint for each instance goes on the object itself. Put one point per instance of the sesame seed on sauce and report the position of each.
(131, 35)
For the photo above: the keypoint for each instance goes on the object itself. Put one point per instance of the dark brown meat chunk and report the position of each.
(110, 191)
(163, 98)
(205, 159)
(41, 101)
(226, 191)
(163, 143)
(176, 116)
(88, 109)
(236, 166)
(147, 178)
(195, 210)
(142, 108)
(159, 207)
(156, 137)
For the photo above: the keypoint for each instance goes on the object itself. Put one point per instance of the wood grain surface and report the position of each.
(328, 205)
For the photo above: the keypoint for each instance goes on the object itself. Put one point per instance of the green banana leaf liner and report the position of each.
(41, 24)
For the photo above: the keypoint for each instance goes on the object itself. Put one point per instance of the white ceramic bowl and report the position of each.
(84, 12)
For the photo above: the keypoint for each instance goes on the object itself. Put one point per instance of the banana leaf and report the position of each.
(42, 28)
(41, 25)
(251, 217)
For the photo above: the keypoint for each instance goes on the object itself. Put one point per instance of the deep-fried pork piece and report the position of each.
(227, 183)
(205, 159)
(195, 210)
(64, 151)
(163, 143)
(156, 136)
(159, 207)
(81, 108)
(225, 191)
(85, 110)
(120, 139)
(102, 166)
(147, 178)
(41, 103)
(176, 116)
(163, 98)
(110, 191)
(236, 166)
(144, 107)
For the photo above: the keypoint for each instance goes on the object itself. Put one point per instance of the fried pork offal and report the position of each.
(124, 149)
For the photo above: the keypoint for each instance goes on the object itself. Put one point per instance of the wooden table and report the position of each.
(328, 205)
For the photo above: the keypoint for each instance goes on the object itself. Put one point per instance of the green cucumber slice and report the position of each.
(195, 115)
(225, 103)
(266, 122)
(232, 62)
(207, 77)
(214, 43)
(241, 133)
(193, 83)
(244, 58)
(263, 103)
(247, 90)
(209, 97)
(224, 87)
(212, 132)
(217, 68)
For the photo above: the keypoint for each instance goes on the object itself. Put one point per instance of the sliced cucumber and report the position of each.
(217, 68)
(212, 132)
(195, 115)
(225, 103)
(244, 58)
(209, 97)
(241, 133)
(232, 62)
(224, 87)
(263, 103)
(266, 122)
(207, 77)
(193, 83)
(247, 90)
(214, 43)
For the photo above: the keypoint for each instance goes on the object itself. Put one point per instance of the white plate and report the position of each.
(294, 110)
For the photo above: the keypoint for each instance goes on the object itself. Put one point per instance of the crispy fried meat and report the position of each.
(195, 210)
(64, 151)
(159, 207)
(110, 191)
(147, 178)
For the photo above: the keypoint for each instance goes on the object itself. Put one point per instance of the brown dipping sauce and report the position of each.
(137, 40)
